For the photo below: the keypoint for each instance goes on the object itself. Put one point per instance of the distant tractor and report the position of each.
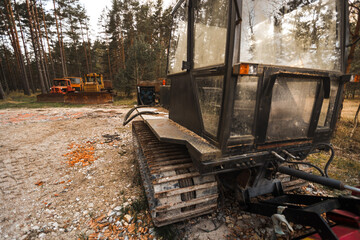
(74, 90)
(77, 83)
(148, 92)
(62, 85)
(93, 82)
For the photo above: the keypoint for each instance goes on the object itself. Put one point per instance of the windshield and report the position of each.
(296, 33)
(60, 83)
(93, 79)
(75, 80)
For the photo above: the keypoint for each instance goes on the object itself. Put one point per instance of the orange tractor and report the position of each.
(62, 86)
(77, 83)
(93, 90)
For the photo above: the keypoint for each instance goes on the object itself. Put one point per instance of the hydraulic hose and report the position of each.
(127, 115)
(138, 114)
(317, 179)
(292, 162)
(312, 178)
(330, 160)
(325, 172)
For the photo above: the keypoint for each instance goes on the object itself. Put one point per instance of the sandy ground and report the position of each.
(41, 196)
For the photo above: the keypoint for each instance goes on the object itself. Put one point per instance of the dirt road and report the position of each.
(41, 195)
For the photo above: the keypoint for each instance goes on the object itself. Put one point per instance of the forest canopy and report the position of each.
(46, 39)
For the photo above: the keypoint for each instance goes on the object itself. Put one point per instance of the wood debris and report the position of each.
(81, 154)
(118, 225)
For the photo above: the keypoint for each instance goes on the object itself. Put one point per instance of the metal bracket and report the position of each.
(279, 220)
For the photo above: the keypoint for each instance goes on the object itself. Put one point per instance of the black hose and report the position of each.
(309, 164)
(127, 115)
(325, 172)
(330, 160)
(139, 97)
(138, 114)
(313, 178)
(293, 162)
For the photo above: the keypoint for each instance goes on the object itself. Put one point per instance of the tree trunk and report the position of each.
(44, 62)
(60, 42)
(84, 44)
(37, 59)
(32, 86)
(48, 43)
(12, 41)
(123, 51)
(38, 43)
(25, 81)
(355, 121)
(355, 36)
(7, 83)
(108, 52)
(2, 93)
(88, 41)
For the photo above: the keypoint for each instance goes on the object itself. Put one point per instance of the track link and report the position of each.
(174, 188)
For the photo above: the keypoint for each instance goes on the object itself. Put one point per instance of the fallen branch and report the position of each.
(355, 121)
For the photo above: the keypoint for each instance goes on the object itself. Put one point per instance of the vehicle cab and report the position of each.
(256, 76)
(93, 82)
(76, 83)
(61, 85)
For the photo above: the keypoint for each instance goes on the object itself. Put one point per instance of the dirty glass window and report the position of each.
(244, 106)
(75, 80)
(210, 96)
(178, 41)
(298, 33)
(210, 32)
(328, 105)
(291, 108)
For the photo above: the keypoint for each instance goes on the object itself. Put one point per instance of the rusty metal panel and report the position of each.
(76, 98)
(89, 98)
(168, 131)
(51, 97)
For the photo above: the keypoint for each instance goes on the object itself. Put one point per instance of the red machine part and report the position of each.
(342, 232)
(356, 193)
(348, 228)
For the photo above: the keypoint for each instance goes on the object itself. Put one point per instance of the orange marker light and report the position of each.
(244, 68)
(357, 78)
(164, 82)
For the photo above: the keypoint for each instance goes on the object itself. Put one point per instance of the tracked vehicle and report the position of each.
(256, 86)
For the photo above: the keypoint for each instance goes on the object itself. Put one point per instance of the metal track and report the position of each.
(174, 188)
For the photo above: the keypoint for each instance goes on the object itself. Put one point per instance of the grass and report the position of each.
(346, 164)
(342, 137)
(124, 101)
(343, 168)
(19, 100)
